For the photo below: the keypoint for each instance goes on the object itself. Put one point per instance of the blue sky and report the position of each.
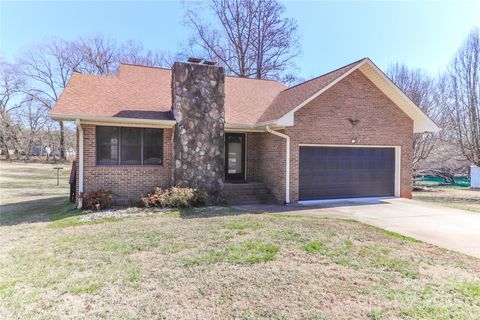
(421, 34)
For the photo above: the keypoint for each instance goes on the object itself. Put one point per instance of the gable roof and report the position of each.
(133, 93)
(293, 96)
(144, 93)
(281, 111)
(139, 92)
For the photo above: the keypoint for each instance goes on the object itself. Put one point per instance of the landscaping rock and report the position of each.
(122, 213)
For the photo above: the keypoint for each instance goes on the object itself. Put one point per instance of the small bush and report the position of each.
(97, 200)
(174, 197)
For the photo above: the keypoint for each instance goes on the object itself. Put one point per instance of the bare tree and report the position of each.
(463, 100)
(274, 39)
(134, 52)
(49, 66)
(11, 100)
(33, 119)
(420, 88)
(252, 38)
(48, 69)
(93, 55)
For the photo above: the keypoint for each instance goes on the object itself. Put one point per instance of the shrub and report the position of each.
(97, 200)
(174, 197)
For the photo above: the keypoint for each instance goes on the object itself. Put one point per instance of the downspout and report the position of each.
(287, 162)
(80, 163)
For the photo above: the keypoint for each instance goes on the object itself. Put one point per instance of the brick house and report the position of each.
(348, 133)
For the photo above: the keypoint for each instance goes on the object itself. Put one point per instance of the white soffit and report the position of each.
(421, 122)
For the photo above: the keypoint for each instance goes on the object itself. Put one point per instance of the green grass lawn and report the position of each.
(221, 263)
(230, 265)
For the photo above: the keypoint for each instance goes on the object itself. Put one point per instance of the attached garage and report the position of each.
(336, 172)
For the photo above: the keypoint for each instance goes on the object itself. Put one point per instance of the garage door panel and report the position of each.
(344, 172)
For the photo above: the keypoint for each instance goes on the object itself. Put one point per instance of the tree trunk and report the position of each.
(5, 148)
(62, 141)
(29, 150)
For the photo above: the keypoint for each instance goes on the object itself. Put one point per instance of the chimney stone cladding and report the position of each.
(198, 107)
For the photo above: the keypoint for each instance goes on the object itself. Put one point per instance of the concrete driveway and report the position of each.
(453, 229)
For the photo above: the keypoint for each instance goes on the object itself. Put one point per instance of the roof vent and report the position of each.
(194, 60)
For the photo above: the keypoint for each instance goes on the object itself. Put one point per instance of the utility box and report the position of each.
(475, 177)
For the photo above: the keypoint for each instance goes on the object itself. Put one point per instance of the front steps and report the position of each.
(247, 193)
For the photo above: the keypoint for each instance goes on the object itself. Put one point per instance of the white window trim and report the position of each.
(398, 159)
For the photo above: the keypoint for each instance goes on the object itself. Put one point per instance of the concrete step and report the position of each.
(230, 187)
(247, 193)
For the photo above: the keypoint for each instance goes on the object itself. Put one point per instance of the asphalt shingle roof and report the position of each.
(145, 93)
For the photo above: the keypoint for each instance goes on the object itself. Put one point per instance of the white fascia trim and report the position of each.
(287, 162)
(89, 119)
(288, 118)
(241, 127)
(80, 163)
(257, 127)
(398, 158)
(427, 124)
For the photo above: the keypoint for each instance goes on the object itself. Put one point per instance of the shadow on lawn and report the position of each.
(233, 210)
(38, 210)
(273, 208)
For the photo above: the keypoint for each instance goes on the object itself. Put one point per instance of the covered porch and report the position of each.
(254, 167)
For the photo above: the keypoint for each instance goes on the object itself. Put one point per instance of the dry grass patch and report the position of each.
(453, 197)
(229, 265)
(29, 191)
(20, 181)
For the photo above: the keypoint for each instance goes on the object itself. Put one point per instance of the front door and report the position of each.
(234, 157)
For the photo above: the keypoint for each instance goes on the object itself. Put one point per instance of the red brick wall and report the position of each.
(325, 121)
(271, 164)
(126, 182)
(252, 154)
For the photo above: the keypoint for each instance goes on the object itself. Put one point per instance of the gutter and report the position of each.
(80, 163)
(114, 120)
(287, 161)
(256, 127)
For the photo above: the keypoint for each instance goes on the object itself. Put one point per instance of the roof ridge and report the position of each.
(93, 75)
(170, 69)
(325, 74)
(247, 78)
(144, 66)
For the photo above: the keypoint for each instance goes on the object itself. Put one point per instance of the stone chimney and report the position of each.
(198, 108)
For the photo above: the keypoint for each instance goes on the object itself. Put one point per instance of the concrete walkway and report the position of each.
(453, 229)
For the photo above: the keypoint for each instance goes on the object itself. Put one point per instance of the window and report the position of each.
(129, 146)
(152, 146)
(107, 145)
